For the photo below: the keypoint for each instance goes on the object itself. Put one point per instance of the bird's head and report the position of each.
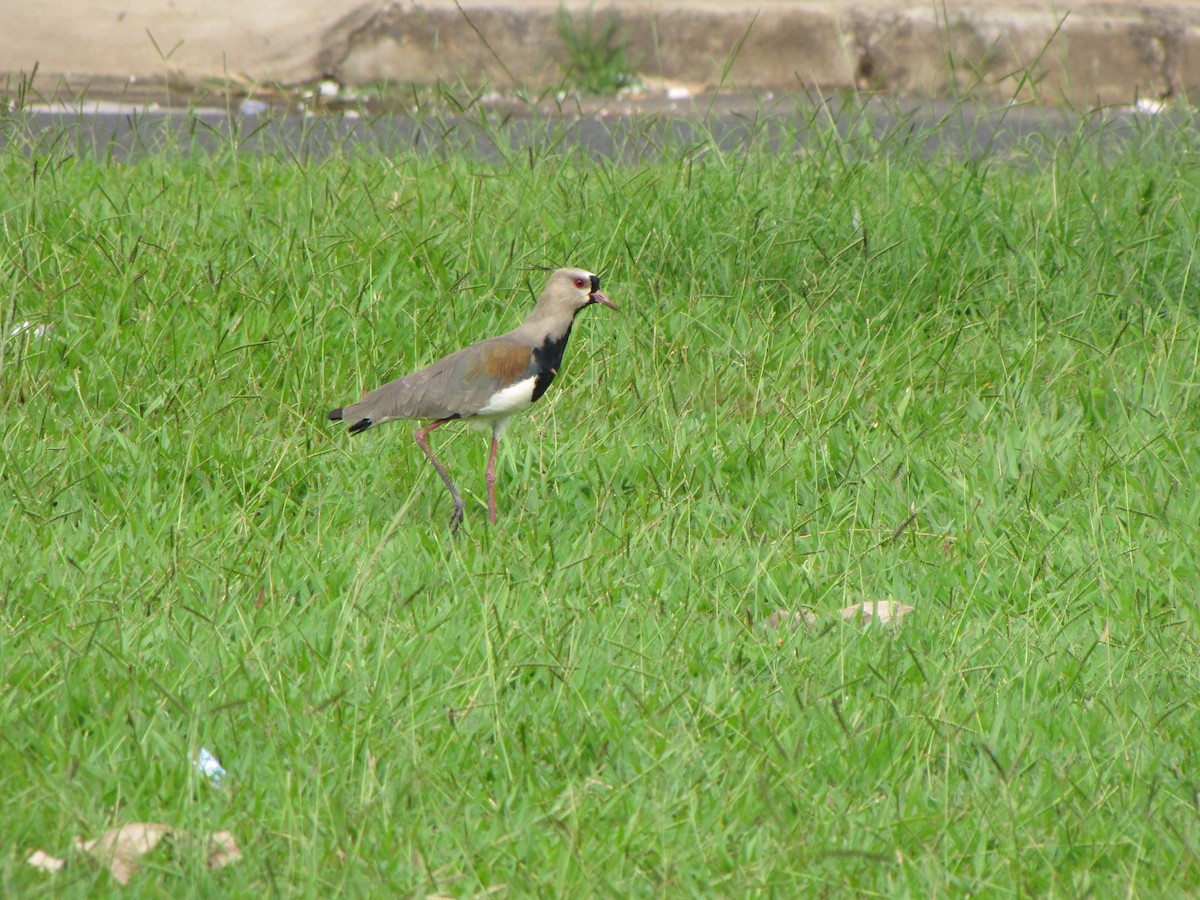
(577, 288)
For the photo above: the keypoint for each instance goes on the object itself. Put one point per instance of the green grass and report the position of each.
(839, 373)
(597, 55)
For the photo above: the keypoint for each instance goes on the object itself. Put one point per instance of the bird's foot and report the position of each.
(457, 516)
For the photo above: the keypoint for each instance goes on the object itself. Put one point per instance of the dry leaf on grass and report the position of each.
(222, 850)
(45, 861)
(882, 611)
(120, 848)
(781, 617)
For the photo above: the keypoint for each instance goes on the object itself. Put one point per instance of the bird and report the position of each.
(485, 383)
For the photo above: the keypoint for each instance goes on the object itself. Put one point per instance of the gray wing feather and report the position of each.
(457, 385)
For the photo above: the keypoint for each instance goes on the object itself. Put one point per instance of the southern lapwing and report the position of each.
(485, 383)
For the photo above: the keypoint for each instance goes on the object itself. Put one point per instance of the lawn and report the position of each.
(845, 369)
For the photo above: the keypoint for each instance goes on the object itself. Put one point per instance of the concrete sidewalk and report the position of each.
(1083, 54)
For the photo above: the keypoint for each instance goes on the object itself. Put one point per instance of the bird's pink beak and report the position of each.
(597, 297)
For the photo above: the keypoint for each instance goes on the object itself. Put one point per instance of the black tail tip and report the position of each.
(335, 415)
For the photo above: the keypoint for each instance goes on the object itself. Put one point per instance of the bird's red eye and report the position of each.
(580, 283)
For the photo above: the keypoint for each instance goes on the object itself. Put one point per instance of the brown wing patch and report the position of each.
(502, 362)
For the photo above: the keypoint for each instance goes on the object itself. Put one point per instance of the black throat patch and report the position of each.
(547, 360)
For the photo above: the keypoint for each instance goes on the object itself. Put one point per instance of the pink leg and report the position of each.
(490, 477)
(424, 430)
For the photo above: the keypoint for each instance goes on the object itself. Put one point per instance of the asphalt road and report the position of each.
(494, 133)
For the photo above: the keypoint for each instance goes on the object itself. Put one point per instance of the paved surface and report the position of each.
(1082, 53)
(927, 127)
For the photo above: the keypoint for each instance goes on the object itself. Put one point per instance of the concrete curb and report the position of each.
(1097, 53)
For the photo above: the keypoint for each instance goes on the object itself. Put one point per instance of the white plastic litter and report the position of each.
(208, 766)
(23, 327)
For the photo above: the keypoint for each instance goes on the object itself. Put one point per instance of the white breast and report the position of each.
(511, 399)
